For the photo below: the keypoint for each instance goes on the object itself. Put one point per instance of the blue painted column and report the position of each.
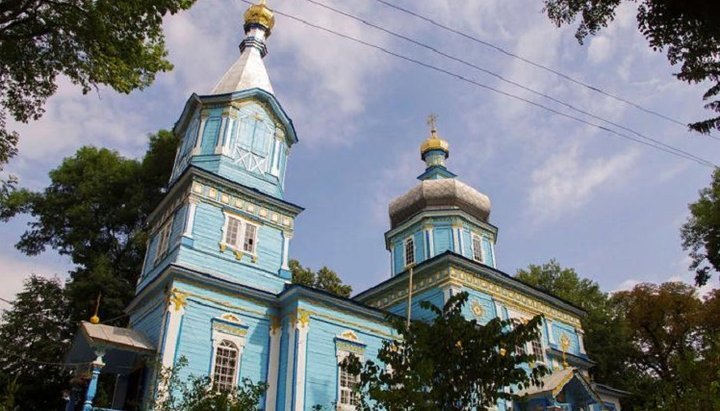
(92, 387)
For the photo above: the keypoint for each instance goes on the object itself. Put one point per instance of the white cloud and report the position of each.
(600, 49)
(16, 268)
(565, 182)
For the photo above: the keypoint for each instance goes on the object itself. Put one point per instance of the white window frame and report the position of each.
(410, 240)
(163, 240)
(520, 316)
(479, 252)
(241, 236)
(235, 370)
(341, 356)
(217, 338)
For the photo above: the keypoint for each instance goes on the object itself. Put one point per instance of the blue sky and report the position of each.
(606, 206)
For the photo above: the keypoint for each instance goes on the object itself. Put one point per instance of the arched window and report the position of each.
(226, 366)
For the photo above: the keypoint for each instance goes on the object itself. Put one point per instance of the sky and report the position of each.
(608, 207)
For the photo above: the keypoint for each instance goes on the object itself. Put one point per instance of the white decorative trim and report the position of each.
(492, 252)
(218, 336)
(341, 354)
(240, 241)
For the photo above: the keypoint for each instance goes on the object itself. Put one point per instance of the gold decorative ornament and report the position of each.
(434, 142)
(477, 309)
(178, 299)
(260, 14)
(223, 247)
(274, 324)
(238, 254)
(303, 317)
(95, 319)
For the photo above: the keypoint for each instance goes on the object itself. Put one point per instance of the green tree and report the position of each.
(605, 340)
(674, 349)
(116, 43)
(93, 211)
(197, 393)
(688, 31)
(325, 279)
(35, 334)
(448, 363)
(701, 233)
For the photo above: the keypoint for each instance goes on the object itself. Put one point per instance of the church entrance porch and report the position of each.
(115, 352)
(563, 390)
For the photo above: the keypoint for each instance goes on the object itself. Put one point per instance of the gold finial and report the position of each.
(95, 319)
(565, 344)
(432, 122)
(434, 142)
(260, 14)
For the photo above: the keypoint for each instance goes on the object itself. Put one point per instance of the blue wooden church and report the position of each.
(215, 287)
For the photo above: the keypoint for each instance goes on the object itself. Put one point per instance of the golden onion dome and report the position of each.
(261, 15)
(434, 142)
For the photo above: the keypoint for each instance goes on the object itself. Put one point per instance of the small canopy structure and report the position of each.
(565, 389)
(100, 348)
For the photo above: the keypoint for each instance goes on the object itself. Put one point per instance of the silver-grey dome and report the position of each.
(441, 194)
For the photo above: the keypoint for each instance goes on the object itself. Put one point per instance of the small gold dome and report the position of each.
(260, 14)
(434, 142)
(95, 319)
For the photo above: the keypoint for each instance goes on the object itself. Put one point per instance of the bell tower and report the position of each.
(225, 215)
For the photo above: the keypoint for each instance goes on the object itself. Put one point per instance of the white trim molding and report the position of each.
(273, 364)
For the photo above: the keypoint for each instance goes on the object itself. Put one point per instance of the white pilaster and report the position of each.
(286, 251)
(301, 360)
(275, 167)
(273, 365)
(456, 240)
(190, 220)
(432, 244)
(227, 135)
(498, 309)
(581, 340)
(174, 314)
(551, 337)
(221, 135)
(201, 131)
(290, 370)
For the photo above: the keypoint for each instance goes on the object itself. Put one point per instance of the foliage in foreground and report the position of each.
(688, 31)
(92, 43)
(605, 338)
(94, 212)
(701, 233)
(448, 363)
(197, 393)
(35, 333)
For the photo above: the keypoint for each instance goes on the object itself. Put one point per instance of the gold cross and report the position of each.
(432, 122)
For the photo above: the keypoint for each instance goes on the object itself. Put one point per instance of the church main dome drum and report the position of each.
(442, 194)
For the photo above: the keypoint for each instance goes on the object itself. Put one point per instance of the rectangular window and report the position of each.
(233, 229)
(163, 241)
(537, 349)
(249, 242)
(477, 249)
(409, 251)
(240, 234)
(348, 396)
